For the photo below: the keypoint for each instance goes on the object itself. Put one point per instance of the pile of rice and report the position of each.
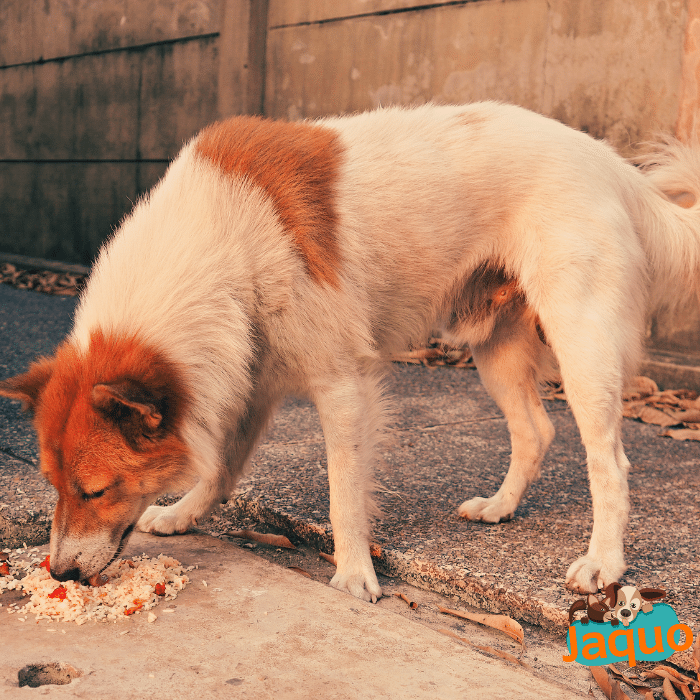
(133, 585)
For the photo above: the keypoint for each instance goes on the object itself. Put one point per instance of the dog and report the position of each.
(619, 605)
(628, 601)
(278, 258)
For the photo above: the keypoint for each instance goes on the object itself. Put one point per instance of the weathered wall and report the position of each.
(96, 96)
(610, 67)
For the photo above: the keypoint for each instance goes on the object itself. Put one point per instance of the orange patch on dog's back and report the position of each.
(296, 164)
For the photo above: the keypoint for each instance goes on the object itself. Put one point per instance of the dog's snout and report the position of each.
(67, 575)
(625, 612)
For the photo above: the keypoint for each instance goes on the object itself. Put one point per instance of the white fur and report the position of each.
(203, 270)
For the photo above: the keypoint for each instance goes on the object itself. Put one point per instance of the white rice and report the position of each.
(130, 588)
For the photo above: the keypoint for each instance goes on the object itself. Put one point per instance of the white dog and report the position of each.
(293, 258)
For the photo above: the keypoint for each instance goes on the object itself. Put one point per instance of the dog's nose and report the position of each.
(68, 575)
(625, 612)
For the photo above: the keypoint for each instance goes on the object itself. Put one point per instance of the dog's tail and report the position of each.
(668, 221)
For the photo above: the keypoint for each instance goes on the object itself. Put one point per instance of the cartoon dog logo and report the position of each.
(619, 605)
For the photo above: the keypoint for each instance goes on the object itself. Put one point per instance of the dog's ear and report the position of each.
(651, 593)
(131, 406)
(610, 592)
(28, 387)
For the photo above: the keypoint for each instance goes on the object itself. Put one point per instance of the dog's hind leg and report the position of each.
(351, 414)
(510, 366)
(596, 346)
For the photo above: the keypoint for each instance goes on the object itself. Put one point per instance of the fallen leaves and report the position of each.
(630, 680)
(672, 680)
(437, 353)
(60, 283)
(261, 538)
(677, 411)
(500, 622)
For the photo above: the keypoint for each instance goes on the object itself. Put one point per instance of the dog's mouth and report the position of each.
(97, 578)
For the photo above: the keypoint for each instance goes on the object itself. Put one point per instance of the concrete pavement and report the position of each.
(256, 631)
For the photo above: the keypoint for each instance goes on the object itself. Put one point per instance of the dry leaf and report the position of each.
(328, 557)
(639, 387)
(681, 434)
(685, 683)
(300, 571)
(273, 540)
(602, 679)
(690, 416)
(648, 414)
(676, 677)
(639, 687)
(499, 622)
(617, 693)
(612, 689)
(669, 692)
(489, 650)
(437, 353)
(411, 604)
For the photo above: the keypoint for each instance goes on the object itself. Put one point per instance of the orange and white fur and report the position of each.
(293, 258)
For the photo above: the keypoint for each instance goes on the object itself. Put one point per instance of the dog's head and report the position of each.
(108, 422)
(627, 601)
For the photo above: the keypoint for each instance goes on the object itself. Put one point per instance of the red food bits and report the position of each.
(45, 564)
(59, 593)
(160, 589)
(4, 569)
(136, 608)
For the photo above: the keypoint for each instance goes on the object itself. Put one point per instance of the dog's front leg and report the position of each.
(221, 462)
(604, 562)
(346, 411)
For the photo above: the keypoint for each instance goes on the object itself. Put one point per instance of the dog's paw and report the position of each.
(487, 510)
(165, 520)
(361, 584)
(589, 574)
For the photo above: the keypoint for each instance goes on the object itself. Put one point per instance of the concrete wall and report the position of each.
(95, 99)
(610, 67)
(96, 96)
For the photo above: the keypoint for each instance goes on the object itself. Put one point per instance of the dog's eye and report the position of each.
(633, 606)
(621, 604)
(93, 495)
